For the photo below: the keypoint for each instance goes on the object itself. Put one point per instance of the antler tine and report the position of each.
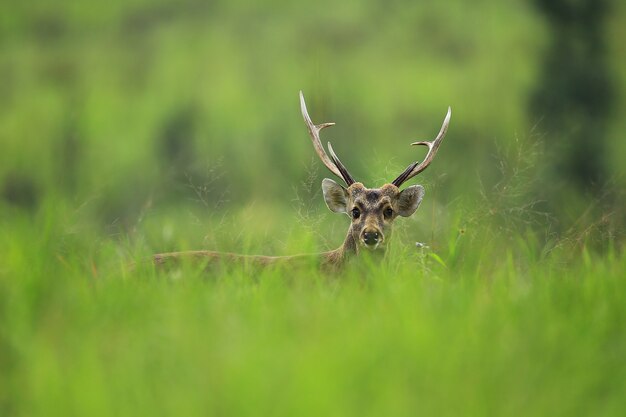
(334, 165)
(344, 172)
(415, 168)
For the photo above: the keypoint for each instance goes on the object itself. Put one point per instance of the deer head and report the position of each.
(372, 210)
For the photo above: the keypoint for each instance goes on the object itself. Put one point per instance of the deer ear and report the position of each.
(335, 195)
(409, 200)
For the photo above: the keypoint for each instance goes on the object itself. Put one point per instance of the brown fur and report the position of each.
(371, 204)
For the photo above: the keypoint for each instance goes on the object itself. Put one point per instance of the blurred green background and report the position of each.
(134, 127)
(126, 105)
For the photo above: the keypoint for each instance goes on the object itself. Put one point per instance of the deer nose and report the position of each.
(371, 237)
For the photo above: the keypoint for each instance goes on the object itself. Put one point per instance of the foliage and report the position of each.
(134, 127)
(493, 324)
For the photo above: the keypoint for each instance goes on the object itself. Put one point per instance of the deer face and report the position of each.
(372, 210)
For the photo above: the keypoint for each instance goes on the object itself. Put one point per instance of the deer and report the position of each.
(372, 211)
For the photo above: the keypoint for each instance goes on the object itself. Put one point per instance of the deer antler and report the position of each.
(415, 168)
(332, 163)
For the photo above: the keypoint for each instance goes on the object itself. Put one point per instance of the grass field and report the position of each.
(490, 323)
(132, 127)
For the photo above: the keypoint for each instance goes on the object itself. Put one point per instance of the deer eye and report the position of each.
(356, 213)
(388, 213)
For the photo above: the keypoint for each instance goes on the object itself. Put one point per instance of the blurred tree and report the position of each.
(575, 93)
(20, 189)
(176, 146)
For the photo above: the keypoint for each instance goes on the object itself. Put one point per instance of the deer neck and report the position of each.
(349, 246)
(349, 249)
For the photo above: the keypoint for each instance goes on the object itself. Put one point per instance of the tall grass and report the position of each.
(133, 127)
(485, 322)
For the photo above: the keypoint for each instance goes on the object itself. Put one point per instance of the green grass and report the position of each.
(133, 127)
(502, 328)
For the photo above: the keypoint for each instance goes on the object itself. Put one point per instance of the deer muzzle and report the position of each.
(371, 238)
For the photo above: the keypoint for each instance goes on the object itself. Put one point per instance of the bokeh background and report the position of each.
(170, 115)
(134, 127)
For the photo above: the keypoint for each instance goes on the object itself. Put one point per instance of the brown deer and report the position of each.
(371, 210)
